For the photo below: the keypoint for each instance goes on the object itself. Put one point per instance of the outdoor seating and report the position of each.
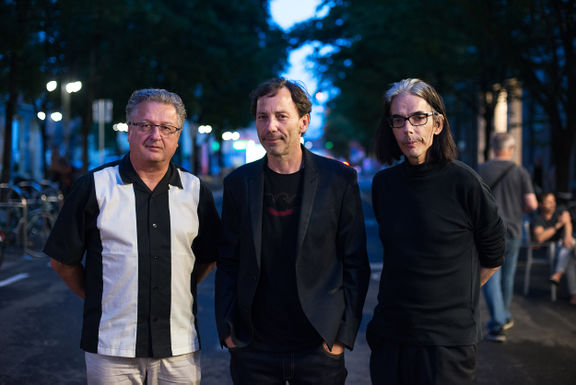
(545, 256)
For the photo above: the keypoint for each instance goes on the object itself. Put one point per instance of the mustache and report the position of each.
(412, 139)
(273, 136)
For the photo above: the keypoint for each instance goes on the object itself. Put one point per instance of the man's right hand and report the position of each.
(229, 343)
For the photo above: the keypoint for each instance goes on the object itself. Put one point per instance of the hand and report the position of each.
(229, 343)
(568, 242)
(337, 348)
(564, 218)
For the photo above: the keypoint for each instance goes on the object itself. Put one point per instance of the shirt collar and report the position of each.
(129, 175)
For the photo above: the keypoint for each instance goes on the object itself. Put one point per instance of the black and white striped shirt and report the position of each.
(139, 249)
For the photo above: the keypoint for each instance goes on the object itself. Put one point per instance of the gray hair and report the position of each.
(443, 147)
(501, 141)
(159, 96)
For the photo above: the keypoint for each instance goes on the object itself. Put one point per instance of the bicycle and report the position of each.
(28, 212)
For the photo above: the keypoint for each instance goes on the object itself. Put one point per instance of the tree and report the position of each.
(544, 53)
(466, 48)
(212, 53)
(19, 62)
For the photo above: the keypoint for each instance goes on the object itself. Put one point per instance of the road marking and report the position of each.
(13, 279)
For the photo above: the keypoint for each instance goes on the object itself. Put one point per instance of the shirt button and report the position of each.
(154, 225)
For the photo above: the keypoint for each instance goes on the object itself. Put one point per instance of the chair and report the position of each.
(548, 259)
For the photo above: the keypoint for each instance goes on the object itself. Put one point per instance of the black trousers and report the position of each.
(312, 367)
(393, 363)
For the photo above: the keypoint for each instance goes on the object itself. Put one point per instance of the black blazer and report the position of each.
(332, 268)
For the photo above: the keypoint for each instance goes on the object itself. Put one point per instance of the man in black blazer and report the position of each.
(293, 270)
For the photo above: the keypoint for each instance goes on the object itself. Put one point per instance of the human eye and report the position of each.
(145, 126)
(397, 120)
(261, 117)
(165, 129)
(418, 119)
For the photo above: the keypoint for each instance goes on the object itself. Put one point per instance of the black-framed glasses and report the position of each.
(147, 127)
(417, 119)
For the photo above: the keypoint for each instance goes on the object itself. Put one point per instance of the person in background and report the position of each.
(555, 225)
(148, 233)
(442, 239)
(514, 194)
(293, 270)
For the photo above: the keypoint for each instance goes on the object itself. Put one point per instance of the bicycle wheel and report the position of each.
(38, 229)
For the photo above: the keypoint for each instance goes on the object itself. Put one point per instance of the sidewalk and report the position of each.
(541, 347)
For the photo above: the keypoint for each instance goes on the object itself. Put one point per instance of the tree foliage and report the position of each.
(210, 52)
(466, 48)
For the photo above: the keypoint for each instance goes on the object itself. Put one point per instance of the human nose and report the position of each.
(407, 126)
(271, 124)
(155, 130)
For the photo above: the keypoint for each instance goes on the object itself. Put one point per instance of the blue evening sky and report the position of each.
(286, 13)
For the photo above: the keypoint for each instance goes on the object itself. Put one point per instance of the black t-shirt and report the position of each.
(279, 321)
(539, 220)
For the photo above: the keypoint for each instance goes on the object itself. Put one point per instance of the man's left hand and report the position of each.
(337, 348)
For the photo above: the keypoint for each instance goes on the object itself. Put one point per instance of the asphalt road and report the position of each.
(40, 322)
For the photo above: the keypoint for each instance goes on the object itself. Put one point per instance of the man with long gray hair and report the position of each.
(442, 239)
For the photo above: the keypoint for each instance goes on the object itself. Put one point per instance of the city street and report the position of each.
(40, 322)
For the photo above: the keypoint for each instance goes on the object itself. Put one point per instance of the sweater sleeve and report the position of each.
(488, 227)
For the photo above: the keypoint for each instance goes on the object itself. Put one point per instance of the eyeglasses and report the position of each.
(417, 119)
(147, 127)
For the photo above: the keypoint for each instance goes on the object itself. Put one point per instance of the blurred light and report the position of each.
(215, 146)
(51, 85)
(229, 135)
(329, 145)
(321, 96)
(308, 145)
(41, 115)
(346, 163)
(205, 129)
(73, 87)
(56, 116)
(240, 145)
(120, 127)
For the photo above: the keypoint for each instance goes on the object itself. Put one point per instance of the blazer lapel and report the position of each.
(308, 196)
(255, 184)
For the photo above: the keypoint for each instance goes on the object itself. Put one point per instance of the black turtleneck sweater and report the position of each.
(438, 224)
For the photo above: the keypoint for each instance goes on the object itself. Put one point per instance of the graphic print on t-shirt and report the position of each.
(281, 204)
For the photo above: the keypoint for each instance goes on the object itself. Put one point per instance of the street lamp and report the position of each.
(65, 92)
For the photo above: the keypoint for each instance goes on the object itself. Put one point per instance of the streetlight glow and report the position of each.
(120, 127)
(73, 87)
(41, 115)
(51, 85)
(228, 135)
(205, 129)
(56, 116)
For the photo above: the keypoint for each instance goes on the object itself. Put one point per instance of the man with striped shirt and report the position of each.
(133, 239)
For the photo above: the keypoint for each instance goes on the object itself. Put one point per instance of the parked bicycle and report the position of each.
(28, 211)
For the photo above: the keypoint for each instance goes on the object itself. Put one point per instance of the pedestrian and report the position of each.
(552, 224)
(514, 194)
(149, 233)
(442, 239)
(293, 270)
